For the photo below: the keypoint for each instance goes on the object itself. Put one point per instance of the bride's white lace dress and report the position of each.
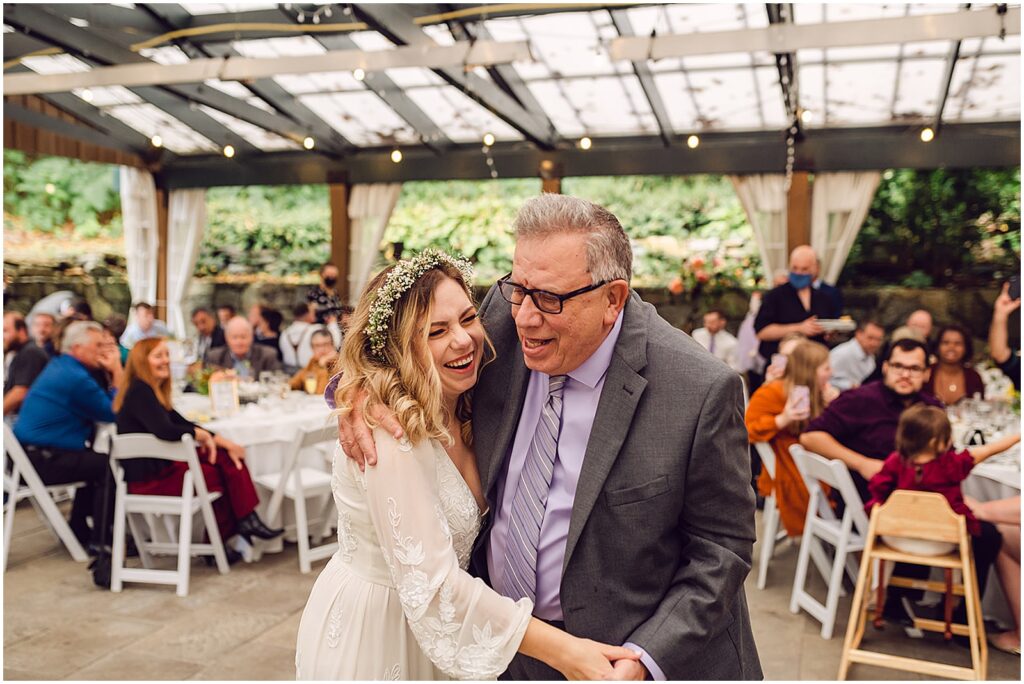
(395, 601)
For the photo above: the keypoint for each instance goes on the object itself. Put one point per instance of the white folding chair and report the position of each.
(846, 535)
(297, 482)
(41, 496)
(194, 498)
(770, 534)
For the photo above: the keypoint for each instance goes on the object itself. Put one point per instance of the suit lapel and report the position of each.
(513, 407)
(623, 387)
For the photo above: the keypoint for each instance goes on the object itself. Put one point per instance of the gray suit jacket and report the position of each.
(261, 357)
(662, 527)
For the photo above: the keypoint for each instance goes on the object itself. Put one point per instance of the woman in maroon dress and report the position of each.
(143, 405)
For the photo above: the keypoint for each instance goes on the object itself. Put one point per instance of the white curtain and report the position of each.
(186, 223)
(141, 240)
(369, 209)
(839, 204)
(763, 198)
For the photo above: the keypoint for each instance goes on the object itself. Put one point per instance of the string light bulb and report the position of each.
(396, 156)
(586, 143)
(308, 142)
(229, 151)
(86, 95)
(156, 141)
(806, 116)
(488, 139)
(358, 74)
(927, 134)
(692, 142)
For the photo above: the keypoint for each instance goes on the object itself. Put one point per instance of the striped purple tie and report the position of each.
(531, 497)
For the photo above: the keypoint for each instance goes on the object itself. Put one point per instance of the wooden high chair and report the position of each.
(928, 516)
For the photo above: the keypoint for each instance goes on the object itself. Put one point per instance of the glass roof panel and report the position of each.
(149, 120)
(440, 34)
(599, 103)
(361, 117)
(107, 96)
(560, 111)
(461, 119)
(371, 40)
(170, 54)
(918, 95)
(238, 91)
(993, 93)
(411, 77)
(200, 8)
(319, 82)
(511, 29)
(55, 64)
(263, 139)
(845, 54)
(726, 99)
(708, 18)
(569, 44)
(859, 93)
(678, 101)
(772, 106)
(291, 46)
(812, 90)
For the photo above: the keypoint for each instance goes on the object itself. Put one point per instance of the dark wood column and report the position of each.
(341, 233)
(550, 177)
(798, 211)
(162, 200)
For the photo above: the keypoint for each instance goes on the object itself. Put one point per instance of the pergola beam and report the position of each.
(646, 77)
(851, 149)
(395, 23)
(947, 78)
(782, 38)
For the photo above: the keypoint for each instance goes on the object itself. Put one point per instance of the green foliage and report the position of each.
(50, 194)
(940, 227)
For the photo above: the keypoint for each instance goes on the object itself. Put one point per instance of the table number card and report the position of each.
(224, 396)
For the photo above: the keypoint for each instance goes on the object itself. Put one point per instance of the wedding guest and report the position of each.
(904, 332)
(1005, 515)
(921, 321)
(925, 461)
(1006, 358)
(56, 425)
(240, 353)
(747, 358)
(225, 312)
(116, 325)
(43, 325)
(835, 295)
(854, 360)
(143, 405)
(952, 378)
(716, 339)
(319, 365)
(23, 362)
(267, 328)
(777, 415)
(78, 309)
(777, 367)
(145, 325)
(296, 350)
(324, 296)
(794, 306)
(209, 334)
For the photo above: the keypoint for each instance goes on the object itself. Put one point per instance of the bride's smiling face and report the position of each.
(455, 338)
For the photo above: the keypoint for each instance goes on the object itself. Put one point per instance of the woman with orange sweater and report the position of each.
(777, 414)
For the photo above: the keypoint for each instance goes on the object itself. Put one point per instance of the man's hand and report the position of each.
(327, 359)
(810, 327)
(355, 436)
(869, 467)
(1004, 306)
(628, 670)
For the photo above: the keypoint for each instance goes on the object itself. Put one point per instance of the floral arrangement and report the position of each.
(199, 378)
(716, 268)
(402, 277)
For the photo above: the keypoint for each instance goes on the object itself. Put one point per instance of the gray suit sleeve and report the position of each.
(717, 532)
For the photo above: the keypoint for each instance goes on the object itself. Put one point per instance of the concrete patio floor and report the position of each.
(242, 625)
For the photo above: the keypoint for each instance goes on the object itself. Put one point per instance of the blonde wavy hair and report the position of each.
(404, 378)
(802, 369)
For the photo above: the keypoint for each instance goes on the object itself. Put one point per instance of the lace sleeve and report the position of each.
(466, 629)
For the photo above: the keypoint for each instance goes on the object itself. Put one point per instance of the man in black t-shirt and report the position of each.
(794, 306)
(23, 361)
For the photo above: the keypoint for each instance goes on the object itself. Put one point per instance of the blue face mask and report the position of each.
(800, 280)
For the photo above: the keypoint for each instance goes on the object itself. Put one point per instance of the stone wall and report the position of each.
(103, 283)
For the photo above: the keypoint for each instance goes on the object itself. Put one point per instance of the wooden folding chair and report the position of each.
(133, 509)
(297, 483)
(918, 515)
(39, 494)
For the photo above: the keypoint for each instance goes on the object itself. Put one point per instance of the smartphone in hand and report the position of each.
(779, 361)
(1014, 290)
(801, 395)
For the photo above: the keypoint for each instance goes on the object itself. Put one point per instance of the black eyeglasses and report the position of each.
(548, 302)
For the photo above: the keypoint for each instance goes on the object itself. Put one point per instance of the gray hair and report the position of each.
(609, 254)
(78, 333)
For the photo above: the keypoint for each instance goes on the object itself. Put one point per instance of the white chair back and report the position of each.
(817, 470)
(767, 454)
(307, 438)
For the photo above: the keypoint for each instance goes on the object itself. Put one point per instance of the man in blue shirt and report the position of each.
(58, 419)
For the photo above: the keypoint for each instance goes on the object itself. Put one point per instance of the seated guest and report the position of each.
(925, 461)
(143, 405)
(240, 354)
(78, 309)
(58, 418)
(225, 312)
(145, 325)
(43, 325)
(267, 329)
(854, 360)
(777, 415)
(716, 339)
(116, 325)
(921, 321)
(319, 365)
(777, 367)
(23, 362)
(209, 332)
(296, 350)
(1005, 515)
(1006, 358)
(794, 306)
(952, 378)
(904, 332)
(339, 326)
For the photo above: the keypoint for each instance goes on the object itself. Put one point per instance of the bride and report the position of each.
(395, 601)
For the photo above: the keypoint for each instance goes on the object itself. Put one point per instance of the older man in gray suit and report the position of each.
(648, 518)
(240, 354)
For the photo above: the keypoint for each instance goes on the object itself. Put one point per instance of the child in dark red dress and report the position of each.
(925, 461)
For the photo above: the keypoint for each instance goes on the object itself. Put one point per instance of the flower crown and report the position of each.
(401, 278)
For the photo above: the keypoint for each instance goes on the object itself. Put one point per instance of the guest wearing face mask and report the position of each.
(325, 295)
(794, 306)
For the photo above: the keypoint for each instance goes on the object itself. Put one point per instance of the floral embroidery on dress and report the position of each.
(334, 625)
(404, 445)
(393, 673)
(347, 542)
